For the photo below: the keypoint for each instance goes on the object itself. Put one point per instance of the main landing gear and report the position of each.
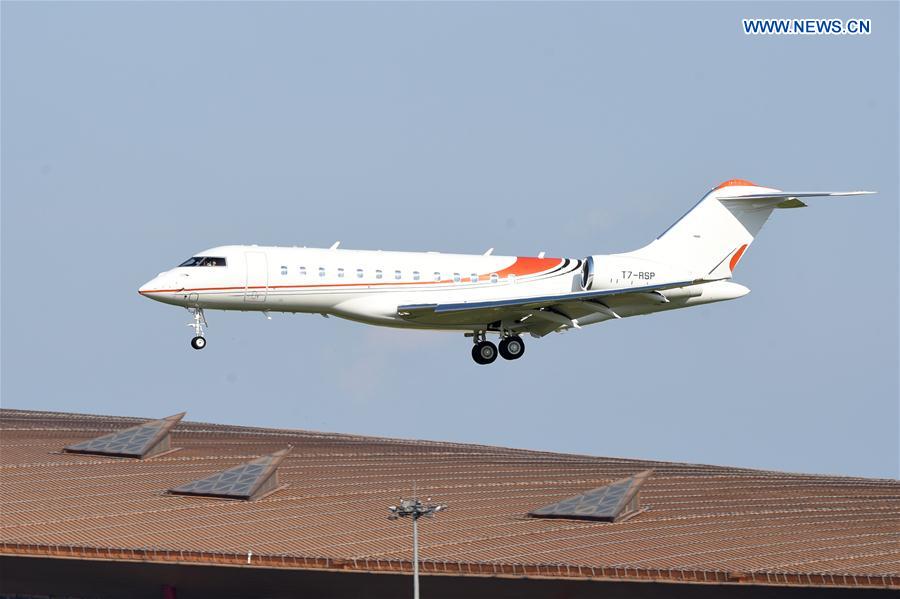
(199, 341)
(512, 348)
(484, 352)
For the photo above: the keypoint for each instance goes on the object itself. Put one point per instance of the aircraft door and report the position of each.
(257, 282)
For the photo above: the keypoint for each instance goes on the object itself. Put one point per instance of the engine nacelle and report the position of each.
(621, 270)
(587, 273)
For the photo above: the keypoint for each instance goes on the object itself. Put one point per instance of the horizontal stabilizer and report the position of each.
(790, 195)
(784, 199)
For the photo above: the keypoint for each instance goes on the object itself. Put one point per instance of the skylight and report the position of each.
(611, 503)
(141, 441)
(248, 481)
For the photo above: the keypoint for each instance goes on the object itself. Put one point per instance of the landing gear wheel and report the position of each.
(199, 341)
(484, 352)
(512, 348)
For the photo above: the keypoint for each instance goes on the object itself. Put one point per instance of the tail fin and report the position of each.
(710, 239)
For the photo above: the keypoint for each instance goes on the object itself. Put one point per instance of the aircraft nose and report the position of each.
(150, 286)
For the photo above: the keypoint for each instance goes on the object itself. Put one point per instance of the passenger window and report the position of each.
(437, 276)
(378, 274)
(302, 271)
(340, 273)
(397, 274)
(321, 271)
(283, 271)
(415, 275)
(494, 277)
(359, 273)
(456, 277)
(473, 278)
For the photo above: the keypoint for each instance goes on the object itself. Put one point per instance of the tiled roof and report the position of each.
(698, 522)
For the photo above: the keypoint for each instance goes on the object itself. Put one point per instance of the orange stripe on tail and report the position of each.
(737, 257)
(737, 182)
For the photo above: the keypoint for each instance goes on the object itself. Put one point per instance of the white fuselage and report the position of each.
(368, 286)
(690, 263)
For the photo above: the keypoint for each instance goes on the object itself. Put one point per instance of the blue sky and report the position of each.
(136, 134)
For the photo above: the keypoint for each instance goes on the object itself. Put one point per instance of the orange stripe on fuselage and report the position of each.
(523, 266)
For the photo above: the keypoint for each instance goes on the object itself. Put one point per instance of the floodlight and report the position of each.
(415, 509)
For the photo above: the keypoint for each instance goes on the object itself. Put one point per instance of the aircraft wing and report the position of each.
(535, 314)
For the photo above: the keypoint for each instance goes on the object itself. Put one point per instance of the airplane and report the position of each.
(690, 264)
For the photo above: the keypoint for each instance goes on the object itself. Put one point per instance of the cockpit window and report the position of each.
(203, 261)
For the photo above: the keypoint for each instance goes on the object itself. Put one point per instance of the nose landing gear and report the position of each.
(199, 341)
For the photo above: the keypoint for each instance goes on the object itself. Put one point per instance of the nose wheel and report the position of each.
(199, 341)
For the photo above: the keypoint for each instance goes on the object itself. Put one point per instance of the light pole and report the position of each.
(415, 509)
